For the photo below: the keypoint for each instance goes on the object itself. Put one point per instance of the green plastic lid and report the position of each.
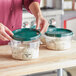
(33, 27)
(59, 32)
(26, 34)
(51, 28)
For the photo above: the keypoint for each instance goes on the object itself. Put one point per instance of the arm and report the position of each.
(28, 2)
(34, 8)
(40, 20)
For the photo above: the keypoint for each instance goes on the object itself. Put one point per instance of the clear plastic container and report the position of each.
(43, 37)
(26, 43)
(56, 43)
(59, 39)
(25, 50)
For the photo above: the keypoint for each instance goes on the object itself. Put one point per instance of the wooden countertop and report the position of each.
(48, 60)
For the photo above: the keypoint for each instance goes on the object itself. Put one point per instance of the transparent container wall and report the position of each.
(57, 43)
(43, 39)
(25, 50)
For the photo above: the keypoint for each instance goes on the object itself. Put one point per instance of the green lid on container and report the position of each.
(51, 28)
(59, 32)
(26, 34)
(33, 27)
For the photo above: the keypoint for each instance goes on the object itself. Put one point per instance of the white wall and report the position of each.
(71, 24)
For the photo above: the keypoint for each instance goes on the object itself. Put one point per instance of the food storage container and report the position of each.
(59, 39)
(25, 45)
(50, 28)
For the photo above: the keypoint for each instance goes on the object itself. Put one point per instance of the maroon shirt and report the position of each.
(11, 13)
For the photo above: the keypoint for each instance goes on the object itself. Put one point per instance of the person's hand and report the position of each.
(42, 23)
(5, 33)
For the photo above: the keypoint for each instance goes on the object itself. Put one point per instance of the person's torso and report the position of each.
(11, 14)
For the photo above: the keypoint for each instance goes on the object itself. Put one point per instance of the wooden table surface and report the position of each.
(48, 60)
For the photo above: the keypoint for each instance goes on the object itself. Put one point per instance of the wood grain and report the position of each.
(48, 60)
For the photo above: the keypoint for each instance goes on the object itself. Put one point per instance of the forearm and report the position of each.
(35, 9)
(41, 22)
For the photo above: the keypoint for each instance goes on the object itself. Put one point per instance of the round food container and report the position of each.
(43, 37)
(59, 39)
(26, 43)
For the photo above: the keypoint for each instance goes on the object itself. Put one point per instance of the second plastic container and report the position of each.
(59, 39)
(43, 37)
